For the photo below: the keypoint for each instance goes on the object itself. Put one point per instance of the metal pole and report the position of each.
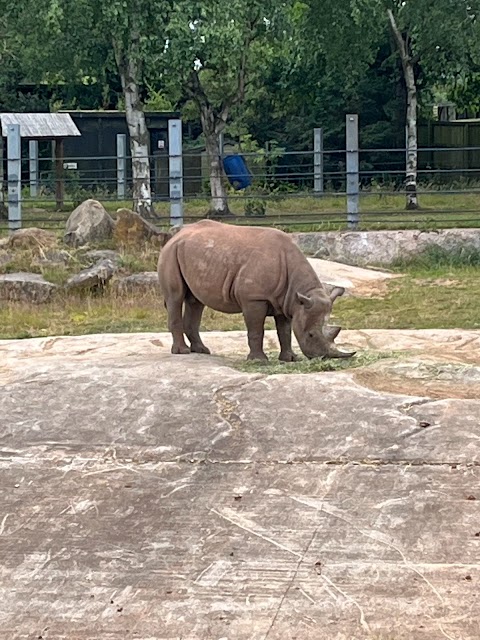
(33, 166)
(14, 176)
(175, 166)
(121, 166)
(59, 175)
(318, 160)
(353, 177)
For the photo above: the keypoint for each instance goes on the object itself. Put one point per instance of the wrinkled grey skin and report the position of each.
(250, 270)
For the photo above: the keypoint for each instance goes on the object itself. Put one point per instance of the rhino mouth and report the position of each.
(330, 350)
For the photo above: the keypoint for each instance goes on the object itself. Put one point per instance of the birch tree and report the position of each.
(213, 52)
(69, 40)
(431, 36)
(434, 36)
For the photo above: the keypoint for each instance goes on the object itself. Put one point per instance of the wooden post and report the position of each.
(59, 177)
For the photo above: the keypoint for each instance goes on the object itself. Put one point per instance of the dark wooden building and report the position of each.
(93, 155)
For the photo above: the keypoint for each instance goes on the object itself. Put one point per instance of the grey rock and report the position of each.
(5, 257)
(194, 501)
(103, 254)
(92, 277)
(136, 284)
(133, 230)
(32, 238)
(363, 248)
(26, 287)
(90, 222)
(52, 258)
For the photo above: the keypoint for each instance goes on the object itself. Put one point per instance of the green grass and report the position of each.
(273, 366)
(303, 212)
(428, 297)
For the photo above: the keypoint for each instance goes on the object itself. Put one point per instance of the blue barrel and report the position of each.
(237, 171)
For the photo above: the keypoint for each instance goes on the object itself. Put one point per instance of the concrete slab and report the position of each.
(358, 281)
(149, 496)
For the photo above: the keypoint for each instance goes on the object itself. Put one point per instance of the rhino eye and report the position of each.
(310, 334)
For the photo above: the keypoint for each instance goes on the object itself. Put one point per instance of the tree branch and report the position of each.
(398, 38)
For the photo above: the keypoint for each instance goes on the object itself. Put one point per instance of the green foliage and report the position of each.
(317, 365)
(435, 257)
(255, 208)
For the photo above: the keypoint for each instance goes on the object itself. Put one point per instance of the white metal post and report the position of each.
(318, 160)
(353, 177)
(121, 166)
(33, 167)
(14, 176)
(175, 165)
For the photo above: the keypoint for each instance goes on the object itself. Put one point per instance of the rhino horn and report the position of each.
(333, 352)
(331, 332)
(305, 300)
(336, 292)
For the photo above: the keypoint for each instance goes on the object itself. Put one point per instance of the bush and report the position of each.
(255, 208)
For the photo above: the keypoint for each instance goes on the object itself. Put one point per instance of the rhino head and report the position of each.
(309, 323)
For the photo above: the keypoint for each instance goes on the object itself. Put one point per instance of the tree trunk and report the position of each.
(219, 202)
(212, 127)
(137, 129)
(411, 119)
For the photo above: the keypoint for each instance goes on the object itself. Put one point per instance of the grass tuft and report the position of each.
(317, 365)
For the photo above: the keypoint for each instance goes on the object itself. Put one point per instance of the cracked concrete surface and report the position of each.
(151, 496)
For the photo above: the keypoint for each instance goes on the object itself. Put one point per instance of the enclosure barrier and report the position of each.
(316, 189)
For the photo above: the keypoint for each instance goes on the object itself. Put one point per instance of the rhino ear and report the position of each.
(304, 300)
(336, 293)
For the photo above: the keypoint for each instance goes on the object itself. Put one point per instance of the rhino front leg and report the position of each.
(254, 314)
(191, 323)
(284, 332)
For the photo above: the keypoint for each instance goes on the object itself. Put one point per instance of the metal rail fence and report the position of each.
(316, 189)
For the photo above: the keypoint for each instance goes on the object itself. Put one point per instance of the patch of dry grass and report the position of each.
(443, 297)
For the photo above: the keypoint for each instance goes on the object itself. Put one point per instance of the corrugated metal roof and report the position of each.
(41, 125)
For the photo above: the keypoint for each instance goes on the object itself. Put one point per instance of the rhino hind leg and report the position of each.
(175, 325)
(191, 324)
(284, 332)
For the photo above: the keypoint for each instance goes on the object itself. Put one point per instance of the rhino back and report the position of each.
(225, 266)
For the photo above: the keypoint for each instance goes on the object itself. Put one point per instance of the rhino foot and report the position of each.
(180, 350)
(200, 348)
(288, 356)
(261, 357)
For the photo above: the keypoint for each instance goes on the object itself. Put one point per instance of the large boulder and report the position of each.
(90, 222)
(32, 238)
(5, 257)
(94, 277)
(364, 248)
(25, 287)
(137, 284)
(133, 230)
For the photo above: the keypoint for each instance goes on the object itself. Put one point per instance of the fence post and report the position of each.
(175, 166)
(14, 176)
(33, 167)
(353, 178)
(318, 160)
(121, 166)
